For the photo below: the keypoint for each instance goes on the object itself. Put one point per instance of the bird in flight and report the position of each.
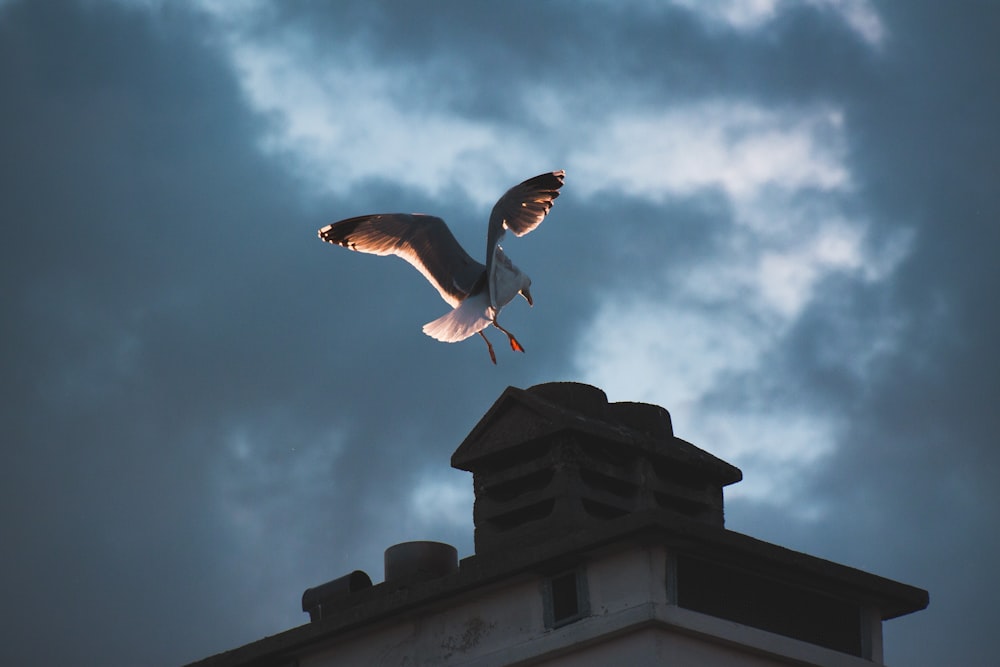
(476, 292)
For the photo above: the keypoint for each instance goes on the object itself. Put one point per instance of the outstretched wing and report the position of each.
(522, 208)
(422, 240)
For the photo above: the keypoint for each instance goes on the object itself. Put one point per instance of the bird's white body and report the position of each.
(478, 311)
(469, 317)
(506, 280)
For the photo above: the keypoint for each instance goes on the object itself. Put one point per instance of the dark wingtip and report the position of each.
(552, 180)
(339, 233)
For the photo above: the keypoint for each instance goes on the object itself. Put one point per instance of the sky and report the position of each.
(779, 221)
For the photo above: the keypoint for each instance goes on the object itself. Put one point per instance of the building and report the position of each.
(600, 540)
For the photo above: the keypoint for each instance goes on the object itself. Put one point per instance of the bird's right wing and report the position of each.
(422, 240)
(523, 207)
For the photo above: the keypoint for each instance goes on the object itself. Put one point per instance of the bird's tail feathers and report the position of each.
(471, 317)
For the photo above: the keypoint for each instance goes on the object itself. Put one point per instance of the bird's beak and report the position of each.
(526, 293)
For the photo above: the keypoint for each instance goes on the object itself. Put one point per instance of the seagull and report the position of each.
(476, 292)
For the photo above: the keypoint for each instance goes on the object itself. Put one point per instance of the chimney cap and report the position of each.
(520, 417)
(419, 560)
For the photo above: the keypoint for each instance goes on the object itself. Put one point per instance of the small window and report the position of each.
(565, 598)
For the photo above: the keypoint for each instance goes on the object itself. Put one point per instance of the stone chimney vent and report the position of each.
(558, 458)
(413, 561)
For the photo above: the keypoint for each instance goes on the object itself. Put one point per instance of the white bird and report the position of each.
(476, 293)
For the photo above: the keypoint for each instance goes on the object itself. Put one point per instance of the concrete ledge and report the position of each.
(668, 620)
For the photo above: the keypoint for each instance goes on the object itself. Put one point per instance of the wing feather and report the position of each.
(422, 240)
(522, 208)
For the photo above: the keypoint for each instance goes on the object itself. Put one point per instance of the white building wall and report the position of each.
(631, 624)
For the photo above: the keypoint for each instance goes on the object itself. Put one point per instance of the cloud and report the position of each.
(347, 123)
(749, 15)
(738, 14)
(438, 500)
(727, 144)
(699, 324)
(338, 120)
(340, 123)
(253, 473)
(860, 15)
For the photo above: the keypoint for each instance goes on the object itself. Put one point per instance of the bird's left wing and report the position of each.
(422, 240)
(523, 207)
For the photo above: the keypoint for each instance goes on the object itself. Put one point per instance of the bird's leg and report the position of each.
(514, 345)
(493, 357)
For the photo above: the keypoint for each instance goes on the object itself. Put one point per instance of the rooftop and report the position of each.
(564, 478)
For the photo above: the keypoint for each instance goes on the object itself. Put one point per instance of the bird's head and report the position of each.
(526, 292)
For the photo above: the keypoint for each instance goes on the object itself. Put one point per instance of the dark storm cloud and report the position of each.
(918, 443)
(170, 298)
(488, 51)
(208, 410)
(922, 447)
(142, 312)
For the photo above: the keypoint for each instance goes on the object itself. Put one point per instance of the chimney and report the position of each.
(598, 533)
(558, 458)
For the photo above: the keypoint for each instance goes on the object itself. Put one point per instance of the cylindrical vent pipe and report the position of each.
(420, 560)
(643, 417)
(326, 597)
